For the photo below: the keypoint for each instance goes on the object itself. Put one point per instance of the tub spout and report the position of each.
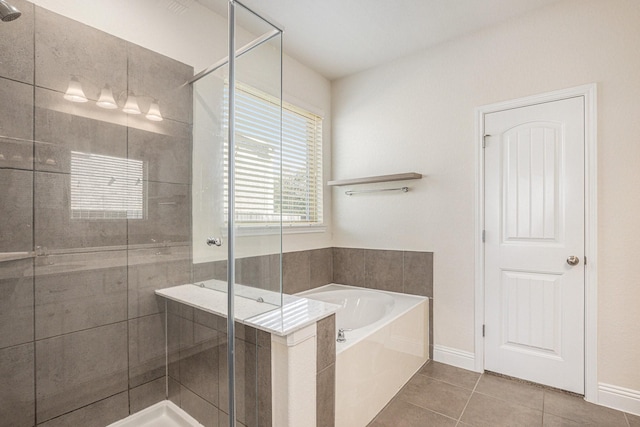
(341, 337)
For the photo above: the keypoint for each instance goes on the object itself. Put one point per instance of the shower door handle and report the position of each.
(214, 241)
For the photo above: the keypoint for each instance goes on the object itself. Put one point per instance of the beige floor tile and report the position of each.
(435, 395)
(634, 420)
(511, 391)
(404, 414)
(486, 411)
(550, 420)
(576, 409)
(451, 374)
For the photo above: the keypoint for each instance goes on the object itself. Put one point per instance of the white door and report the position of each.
(534, 243)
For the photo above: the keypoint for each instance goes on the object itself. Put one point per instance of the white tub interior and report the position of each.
(363, 310)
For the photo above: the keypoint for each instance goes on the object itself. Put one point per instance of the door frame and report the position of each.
(589, 92)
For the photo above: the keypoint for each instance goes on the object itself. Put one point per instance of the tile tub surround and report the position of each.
(82, 333)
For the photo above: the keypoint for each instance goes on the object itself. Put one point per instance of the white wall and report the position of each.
(417, 114)
(198, 37)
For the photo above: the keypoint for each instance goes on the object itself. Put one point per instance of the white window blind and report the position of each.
(105, 187)
(258, 156)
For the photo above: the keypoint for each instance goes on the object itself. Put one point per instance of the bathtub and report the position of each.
(387, 341)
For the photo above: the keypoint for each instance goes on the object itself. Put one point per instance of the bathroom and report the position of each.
(96, 352)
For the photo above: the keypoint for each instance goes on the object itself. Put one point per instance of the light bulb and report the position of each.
(131, 106)
(154, 112)
(106, 99)
(74, 91)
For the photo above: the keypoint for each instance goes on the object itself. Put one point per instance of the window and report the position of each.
(105, 187)
(258, 155)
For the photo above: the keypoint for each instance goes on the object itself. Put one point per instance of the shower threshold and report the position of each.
(162, 414)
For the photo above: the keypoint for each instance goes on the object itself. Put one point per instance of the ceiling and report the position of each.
(342, 37)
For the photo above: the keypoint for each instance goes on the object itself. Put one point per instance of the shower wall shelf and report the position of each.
(375, 179)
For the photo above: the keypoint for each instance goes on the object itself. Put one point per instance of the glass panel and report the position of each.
(114, 172)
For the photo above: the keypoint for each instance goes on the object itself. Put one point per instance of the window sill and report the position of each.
(272, 229)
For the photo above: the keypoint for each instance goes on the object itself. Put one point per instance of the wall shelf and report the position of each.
(374, 179)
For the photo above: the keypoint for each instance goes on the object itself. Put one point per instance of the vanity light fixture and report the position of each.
(131, 106)
(74, 91)
(106, 99)
(154, 112)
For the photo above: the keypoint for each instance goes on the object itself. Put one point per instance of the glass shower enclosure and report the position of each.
(122, 168)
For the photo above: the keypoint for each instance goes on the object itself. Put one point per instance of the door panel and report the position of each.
(534, 220)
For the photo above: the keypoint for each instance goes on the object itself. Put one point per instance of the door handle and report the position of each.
(214, 241)
(573, 260)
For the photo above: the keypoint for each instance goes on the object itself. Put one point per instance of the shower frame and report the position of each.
(230, 60)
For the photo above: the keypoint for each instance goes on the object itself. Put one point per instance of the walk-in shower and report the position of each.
(102, 207)
(8, 12)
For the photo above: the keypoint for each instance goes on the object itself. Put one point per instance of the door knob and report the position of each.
(214, 241)
(573, 260)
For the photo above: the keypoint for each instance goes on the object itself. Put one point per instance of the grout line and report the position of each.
(627, 419)
(468, 400)
(33, 221)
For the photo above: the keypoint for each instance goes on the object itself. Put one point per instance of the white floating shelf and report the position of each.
(374, 179)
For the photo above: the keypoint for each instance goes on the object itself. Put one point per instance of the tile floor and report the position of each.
(442, 395)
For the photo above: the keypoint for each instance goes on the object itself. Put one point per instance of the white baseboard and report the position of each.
(620, 398)
(454, 357)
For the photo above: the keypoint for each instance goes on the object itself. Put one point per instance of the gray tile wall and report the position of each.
(82, 335)
(198, 371)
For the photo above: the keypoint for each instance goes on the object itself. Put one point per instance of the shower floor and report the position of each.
(162, 414)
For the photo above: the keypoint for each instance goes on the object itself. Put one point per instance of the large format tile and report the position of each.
(245, 380)
(98, 414)
(79, 291)
(435, 395)
(634, 420)
(348, 266)
(451, 374)
(167, 157)
(65, 47)
(326, 342)
(383, 270)
(16, 199)
(418, 273)
(295, 272)
(16, 45)
(403, 414)
(259, 271)
(146, 349)
(16, 392)
(16, 302)
(204, 412)
(264, 398)
(54, 227)
(511, 391)
(550, 420)
(577, 409)
(80, 368)
(321, 267)
(152, 269)
(16, 123)
(325, 395)
(59, 134)
(485, 411)
(153, 76)
(199, 363)
(147, 394)
(168, 216)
